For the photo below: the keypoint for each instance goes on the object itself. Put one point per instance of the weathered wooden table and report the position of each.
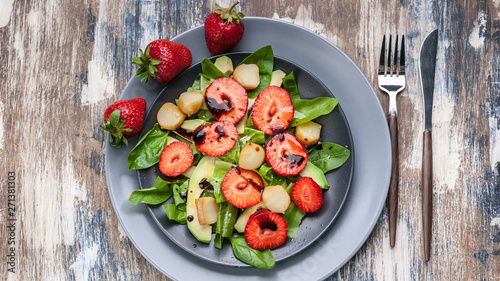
(64, 62)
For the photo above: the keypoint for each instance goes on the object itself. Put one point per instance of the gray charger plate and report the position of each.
(335, 129)
(369, 184)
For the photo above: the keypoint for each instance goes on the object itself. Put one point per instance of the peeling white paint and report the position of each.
(85, 261)
(304, 19)
(74, 192)
(447, 149)
(476, 38)
(5, 10)
(100, 82)
(495, 222)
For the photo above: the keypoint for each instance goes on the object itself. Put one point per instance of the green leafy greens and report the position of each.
(147, 151)
(264, 59)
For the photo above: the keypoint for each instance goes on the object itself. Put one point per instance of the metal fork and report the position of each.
(391, 79)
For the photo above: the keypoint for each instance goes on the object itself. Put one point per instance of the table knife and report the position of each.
(427, 71)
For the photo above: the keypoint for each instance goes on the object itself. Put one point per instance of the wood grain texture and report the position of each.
(63, 62)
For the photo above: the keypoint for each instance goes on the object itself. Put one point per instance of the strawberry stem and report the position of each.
(229, 14)
(114, 127)
(146, 65)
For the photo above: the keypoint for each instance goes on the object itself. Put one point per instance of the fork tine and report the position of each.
(395, 70)
(389, 53)
(402, 57)
(381, 66)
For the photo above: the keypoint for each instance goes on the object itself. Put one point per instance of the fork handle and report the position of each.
(392, 200)
(427, 193)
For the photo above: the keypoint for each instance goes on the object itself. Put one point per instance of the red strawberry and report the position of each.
(286, 155)
(216, 139)
(265, 230)
(242, 188)
(273, 110)
(124, 119)
(223, 29)
(227, 100)
(175, 159)
(163, 60)
(307, 195)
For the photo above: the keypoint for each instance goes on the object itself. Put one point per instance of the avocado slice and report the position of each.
(225, 65)
(242, 220)
(316, 174)
(204, 169)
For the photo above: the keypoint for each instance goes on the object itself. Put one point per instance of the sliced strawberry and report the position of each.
(242, 188)
(175, 159)
(216, 139)
(286, 155)
(273, 110)
(307, 195)
(227, 100)
(265, 230)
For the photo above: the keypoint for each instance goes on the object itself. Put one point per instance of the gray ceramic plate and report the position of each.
(370, 181)
(335, 129)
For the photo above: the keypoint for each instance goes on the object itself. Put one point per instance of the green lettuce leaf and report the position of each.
(175, 214)
(252, 135)
(215, 179)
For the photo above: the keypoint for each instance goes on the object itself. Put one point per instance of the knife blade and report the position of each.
(427, 58)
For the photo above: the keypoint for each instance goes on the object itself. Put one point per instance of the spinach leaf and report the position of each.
(293, 217)
(147, 151)
(152, 196)
(175, 214)
(218, 240)
(215, 179)
(307, 110)
(225, 223)
(252, 135)
(272, 178)
(242, 251)
(290, 85)
(210, 70)
(264, 59)
(159, 193)
(329, 156)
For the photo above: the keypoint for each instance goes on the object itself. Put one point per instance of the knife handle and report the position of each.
(392, 199)
(427, 193)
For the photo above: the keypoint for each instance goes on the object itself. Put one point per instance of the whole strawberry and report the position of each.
(223, 29)
(124, 119)
(163, 60)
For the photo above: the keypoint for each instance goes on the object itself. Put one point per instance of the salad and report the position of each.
(240, 155)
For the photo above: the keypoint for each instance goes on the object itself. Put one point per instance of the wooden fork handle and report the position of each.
(392, 199)
(427, 193)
